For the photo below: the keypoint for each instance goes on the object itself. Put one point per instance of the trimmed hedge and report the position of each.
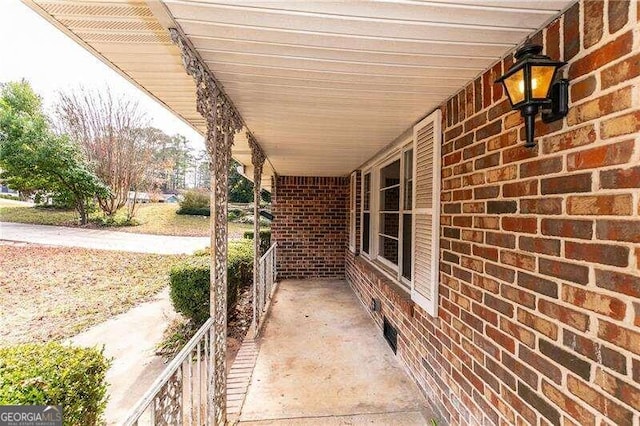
(193, 211)
(190, 281)
(195, 203)
(55, 374)
(234, 214)
(265, 239)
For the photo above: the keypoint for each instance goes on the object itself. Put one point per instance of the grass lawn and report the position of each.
(50, 293)
(154, 218)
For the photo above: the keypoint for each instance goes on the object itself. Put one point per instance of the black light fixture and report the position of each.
(531, 85)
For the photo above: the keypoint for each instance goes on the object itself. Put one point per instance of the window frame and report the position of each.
(403, 151)
(390, 269)
(380, 258)
(363, 252)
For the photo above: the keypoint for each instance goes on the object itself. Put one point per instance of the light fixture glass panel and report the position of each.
(541, 78)
(515, 87)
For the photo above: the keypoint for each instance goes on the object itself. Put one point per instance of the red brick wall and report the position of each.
(539, 308)
(310, 225)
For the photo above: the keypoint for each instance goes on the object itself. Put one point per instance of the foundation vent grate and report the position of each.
(390, 334)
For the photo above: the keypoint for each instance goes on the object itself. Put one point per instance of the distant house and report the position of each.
(145, 197)
(140, 197)
(168, 198)
(4, 189)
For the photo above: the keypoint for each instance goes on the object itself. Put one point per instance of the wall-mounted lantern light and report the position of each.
(530, 85)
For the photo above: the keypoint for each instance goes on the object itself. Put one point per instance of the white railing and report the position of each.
(266, 279)
(179, 396)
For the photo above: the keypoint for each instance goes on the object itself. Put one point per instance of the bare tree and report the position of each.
(111, 132)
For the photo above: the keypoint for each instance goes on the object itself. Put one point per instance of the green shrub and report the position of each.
(265, 239)
(194, 211)
(195, 203)
(190, 280)
(10, 197)
(239, 267)
(54, 374)
(235, 214)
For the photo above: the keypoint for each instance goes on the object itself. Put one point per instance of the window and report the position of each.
(389, 213)
(387, 198)
(394, 230)
(366, 213)
(401, 212)
(352, 213)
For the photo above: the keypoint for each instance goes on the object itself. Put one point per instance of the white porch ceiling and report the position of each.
(323, 85)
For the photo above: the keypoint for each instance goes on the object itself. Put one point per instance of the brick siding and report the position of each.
(539, 297)
(310, 226)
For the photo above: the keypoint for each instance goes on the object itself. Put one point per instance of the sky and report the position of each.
(33, 49)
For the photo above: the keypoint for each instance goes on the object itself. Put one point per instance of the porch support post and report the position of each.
(257, 159)
(223, 122)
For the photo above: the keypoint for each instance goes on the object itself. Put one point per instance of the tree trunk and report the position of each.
(82, 212)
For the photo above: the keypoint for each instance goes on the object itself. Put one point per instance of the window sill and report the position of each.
(399, 288)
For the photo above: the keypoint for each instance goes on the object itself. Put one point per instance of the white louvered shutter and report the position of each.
(427, 139)
(352, 213)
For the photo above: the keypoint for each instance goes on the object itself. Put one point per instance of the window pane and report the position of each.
(389, 249)
(390, 199)
(367, 190)
(390, 175)
(389, 224)
(406, 246)
(366, 220)
(408, 180)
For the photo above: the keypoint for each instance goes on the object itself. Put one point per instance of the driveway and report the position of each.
(100, 239)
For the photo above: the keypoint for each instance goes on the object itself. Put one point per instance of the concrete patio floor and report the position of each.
(322, 361)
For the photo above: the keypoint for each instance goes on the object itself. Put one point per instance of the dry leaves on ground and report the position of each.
(50, 293)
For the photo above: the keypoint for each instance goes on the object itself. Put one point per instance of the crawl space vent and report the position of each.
(390, 334)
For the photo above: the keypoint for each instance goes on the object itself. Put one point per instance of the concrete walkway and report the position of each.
(322, 361)
(100, 239)
(132, 347)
